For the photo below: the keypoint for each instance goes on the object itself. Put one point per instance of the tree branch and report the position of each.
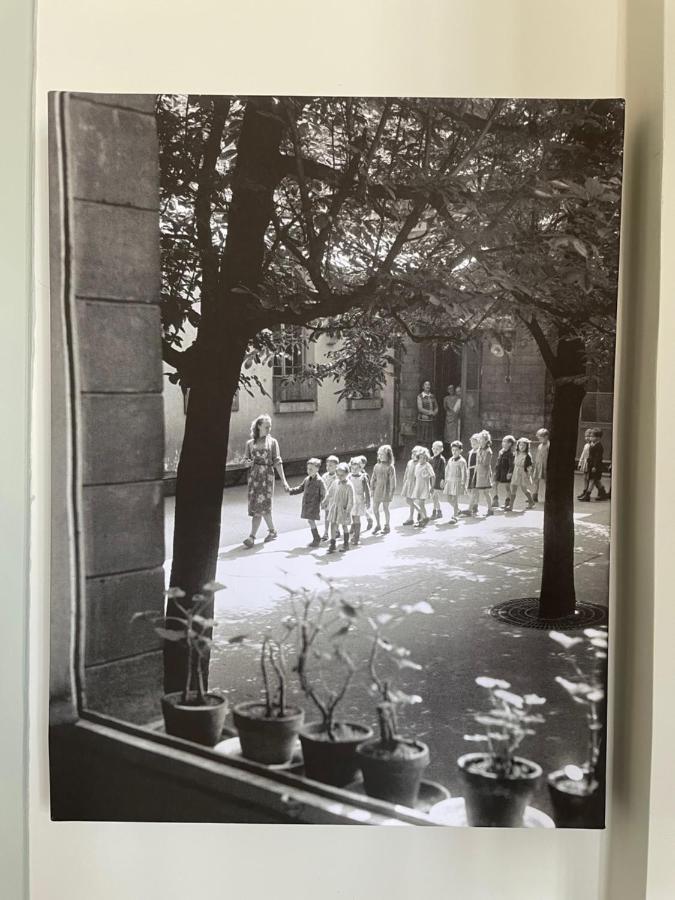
(545, 349)
(208, 254)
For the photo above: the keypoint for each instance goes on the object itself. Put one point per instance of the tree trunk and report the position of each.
(199, 495)
(558, 596)
(229, 321)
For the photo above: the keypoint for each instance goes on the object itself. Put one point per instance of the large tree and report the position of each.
(380, 220)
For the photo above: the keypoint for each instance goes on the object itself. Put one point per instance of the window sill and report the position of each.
(160, 778)
(365, 403)
(295, 406)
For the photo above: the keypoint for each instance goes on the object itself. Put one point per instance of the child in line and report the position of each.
(369, 519)
(483, 474)
(471, 462)
(423, 486)
(361, 488)
(522, 472)
(383, 486)
(438, 464)
(313, 492)
(340, 506)
(540, 461)
(595, 455)
(408, 484)
(456, 477)
(583, 460)
(329, 476)
(504, 470)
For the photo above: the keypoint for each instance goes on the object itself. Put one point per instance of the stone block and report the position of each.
(116, 252)
(127, 689)
(113, 155)
(123, 437)
(141, 102)
(119, 347)
(123, 527)
(110, 604)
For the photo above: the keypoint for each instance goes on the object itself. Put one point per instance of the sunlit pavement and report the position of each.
(461, 570)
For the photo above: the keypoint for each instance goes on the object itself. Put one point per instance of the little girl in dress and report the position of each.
(409, 484)
(522, 472)
(483, 480)
(359, 483)
(382, 486)
(369, 519)
(456, 477)
(423, 486)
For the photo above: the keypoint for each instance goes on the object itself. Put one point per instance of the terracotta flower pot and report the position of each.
(332, 762)
(576, 804)
(393, 775)
(491, 799)
(201, 724)
(267, 740)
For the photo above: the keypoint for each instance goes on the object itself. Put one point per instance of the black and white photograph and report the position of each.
(333, 382)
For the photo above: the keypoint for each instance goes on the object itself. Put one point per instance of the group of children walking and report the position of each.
(344, 495)
(479, 475)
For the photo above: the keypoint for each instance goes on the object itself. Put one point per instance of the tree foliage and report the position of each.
(417, 219)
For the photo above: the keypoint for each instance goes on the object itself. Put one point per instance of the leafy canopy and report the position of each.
(396, 219)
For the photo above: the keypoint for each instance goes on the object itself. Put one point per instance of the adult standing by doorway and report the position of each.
(452, 404)
(427, 410)
(262, 457)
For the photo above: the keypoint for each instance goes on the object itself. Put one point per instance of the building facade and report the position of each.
(505, 388)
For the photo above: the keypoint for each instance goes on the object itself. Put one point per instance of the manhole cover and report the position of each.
(525, 612)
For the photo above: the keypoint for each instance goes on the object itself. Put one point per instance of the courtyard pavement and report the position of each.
(461, 571)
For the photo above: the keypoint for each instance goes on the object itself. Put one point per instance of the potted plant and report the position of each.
(193, 713)
(321, 621)
(268, 731)
(497, 783)
(576, 791)
(392, 765)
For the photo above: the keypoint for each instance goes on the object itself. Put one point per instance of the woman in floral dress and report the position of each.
(262, 458)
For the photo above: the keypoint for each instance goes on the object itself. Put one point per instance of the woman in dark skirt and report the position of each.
(262, 458)
(427, 410)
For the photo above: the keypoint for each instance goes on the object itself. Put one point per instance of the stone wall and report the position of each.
(105, 299)
(513, 390)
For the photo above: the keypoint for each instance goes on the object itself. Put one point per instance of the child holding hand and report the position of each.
(522, 472)
(408, 485)
(313, 492)
(340, 506)
(504, 470)
(438, 464)
(329, 477)
(456, 477)
(383, 486)
(540, 461)
(423, 486)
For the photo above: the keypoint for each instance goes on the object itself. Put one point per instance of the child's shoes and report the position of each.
(331, 547)
(376, 529)
(409, 522)
(386, 529)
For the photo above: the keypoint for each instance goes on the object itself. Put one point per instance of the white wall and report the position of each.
(332, 428)
(392, 47)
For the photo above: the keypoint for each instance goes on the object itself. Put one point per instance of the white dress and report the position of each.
(522, 476)
(408, 484)
(456, 477)
(424, 480)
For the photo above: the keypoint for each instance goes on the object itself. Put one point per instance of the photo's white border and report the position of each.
(385, 47)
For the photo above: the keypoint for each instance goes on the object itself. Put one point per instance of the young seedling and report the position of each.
(586, 688)
(321, 620)
(389, 697)
(507, 723)
(193, 630)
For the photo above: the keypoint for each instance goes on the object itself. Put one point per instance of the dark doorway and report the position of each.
(447, 371)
